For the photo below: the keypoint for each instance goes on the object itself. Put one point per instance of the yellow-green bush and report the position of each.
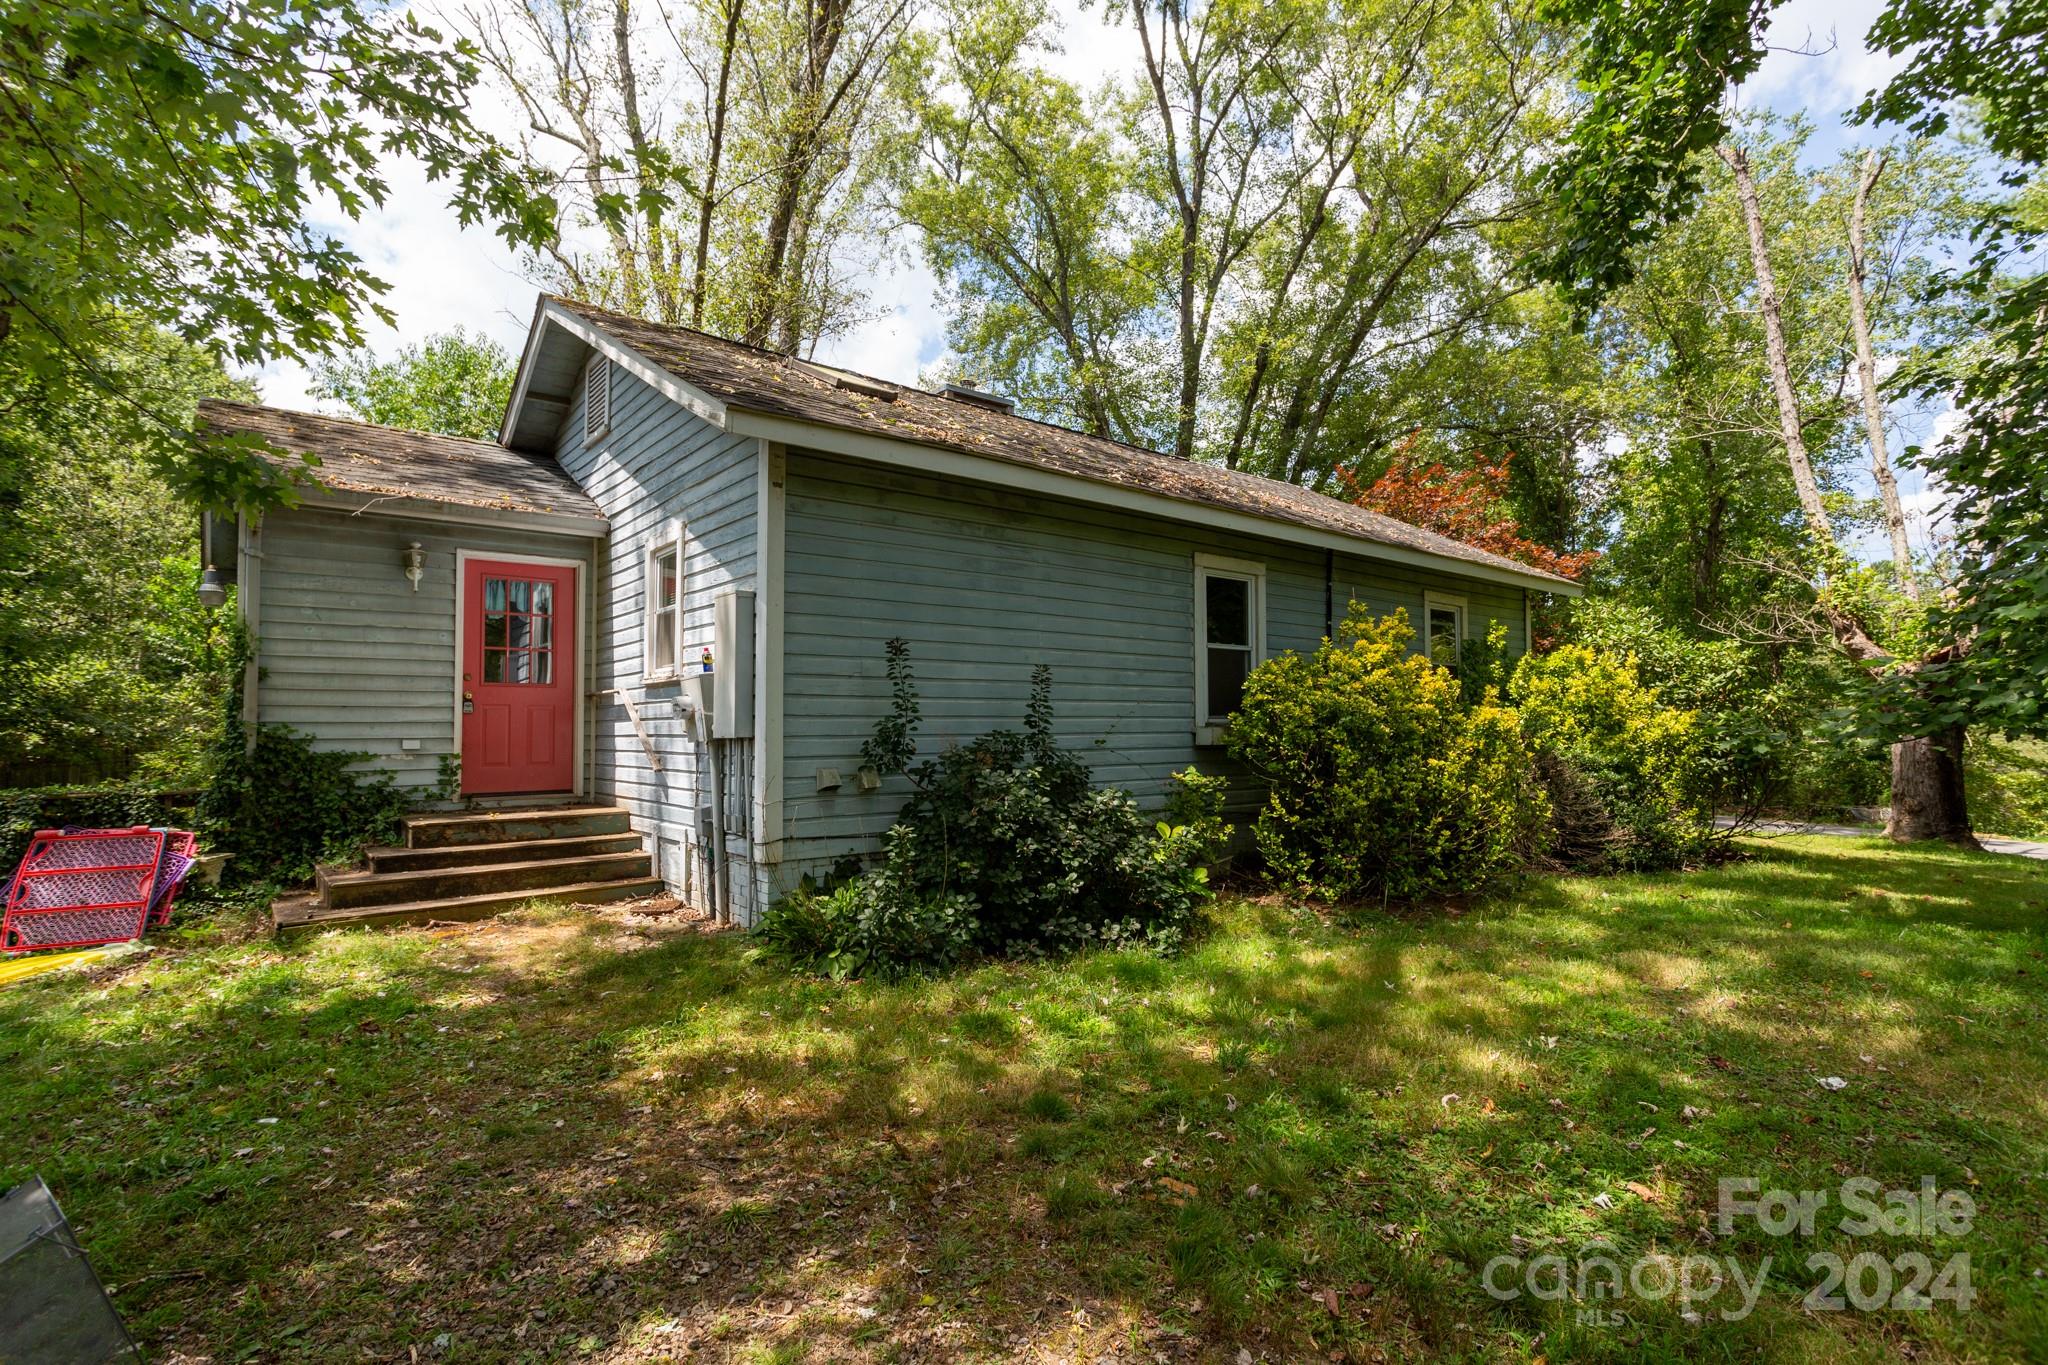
(1591, 713)
(1382, 783)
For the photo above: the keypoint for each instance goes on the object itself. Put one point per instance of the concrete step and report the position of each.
(514, 851)
(305, 912)
(505, 826)
(344, 890)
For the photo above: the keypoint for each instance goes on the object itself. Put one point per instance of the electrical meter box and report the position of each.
(732, 655)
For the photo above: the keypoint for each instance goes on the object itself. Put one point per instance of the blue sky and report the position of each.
(443, 275)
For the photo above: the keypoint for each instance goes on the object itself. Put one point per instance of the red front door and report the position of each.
(518, 677)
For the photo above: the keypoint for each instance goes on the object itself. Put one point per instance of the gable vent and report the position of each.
(597, 399)
(980, 398)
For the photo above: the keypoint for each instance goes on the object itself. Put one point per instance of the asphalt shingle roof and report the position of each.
(358, 457)
(777, 385)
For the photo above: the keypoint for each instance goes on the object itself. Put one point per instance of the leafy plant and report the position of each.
(114, 806)
(1593, 716)
(868, 926)
(1005, 846)
(1195, 803)
(1470, 505)
(453, 383)
(280, 806)
(1381, 782)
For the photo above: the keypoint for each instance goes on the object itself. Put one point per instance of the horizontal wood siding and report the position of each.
(351, 654)
(660, 464)
(984, 584)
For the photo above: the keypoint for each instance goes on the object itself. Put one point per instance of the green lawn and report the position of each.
(567, 1137)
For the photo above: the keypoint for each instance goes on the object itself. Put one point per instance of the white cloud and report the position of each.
(1818, 63)
(442, 275)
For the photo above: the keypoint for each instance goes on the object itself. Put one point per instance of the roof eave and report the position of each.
(551, 317)
(934, 459)
(413, 508)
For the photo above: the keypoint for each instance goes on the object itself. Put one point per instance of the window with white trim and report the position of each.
(664, 594)
(1230, 633)
(1443, 630)
(597, 399)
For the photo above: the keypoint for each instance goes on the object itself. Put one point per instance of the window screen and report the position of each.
(1228, 617)
(664, 597)
(1446, 634)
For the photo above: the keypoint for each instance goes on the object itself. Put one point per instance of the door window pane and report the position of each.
(519, 631)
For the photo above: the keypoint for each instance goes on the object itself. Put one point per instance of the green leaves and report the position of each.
(1656, 77)
(164, 161)
(1381, 783)
(453, 383)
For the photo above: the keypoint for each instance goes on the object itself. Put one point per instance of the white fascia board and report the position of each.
(925, 459)
(692, 399)
(528, 355)
(552, 314)
(452, 513)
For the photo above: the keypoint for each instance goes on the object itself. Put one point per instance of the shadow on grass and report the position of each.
(606, 1147)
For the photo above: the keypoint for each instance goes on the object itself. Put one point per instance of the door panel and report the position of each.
(519, 685)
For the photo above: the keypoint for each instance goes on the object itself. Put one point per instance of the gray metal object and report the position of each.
(52, 1306)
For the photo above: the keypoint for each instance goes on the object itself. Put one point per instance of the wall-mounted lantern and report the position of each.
(213, 588)
(415, 560)
(213, 584)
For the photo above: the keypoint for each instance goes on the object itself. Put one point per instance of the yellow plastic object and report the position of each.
(21, 968)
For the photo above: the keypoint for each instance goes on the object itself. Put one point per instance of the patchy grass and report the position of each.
(569, 1136)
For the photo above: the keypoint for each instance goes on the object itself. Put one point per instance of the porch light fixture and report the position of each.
(415, 560)
(213, 584)
(213, 588)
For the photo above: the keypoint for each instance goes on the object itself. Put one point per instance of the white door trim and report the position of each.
(580, 693)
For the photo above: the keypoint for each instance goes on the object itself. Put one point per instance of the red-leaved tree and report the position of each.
(1470, 505)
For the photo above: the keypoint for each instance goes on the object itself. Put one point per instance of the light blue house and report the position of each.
(661, 503)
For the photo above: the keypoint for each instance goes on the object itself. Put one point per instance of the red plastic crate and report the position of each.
(78, 890)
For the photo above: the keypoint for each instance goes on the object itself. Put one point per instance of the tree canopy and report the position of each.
(167, 161)
(454, 383)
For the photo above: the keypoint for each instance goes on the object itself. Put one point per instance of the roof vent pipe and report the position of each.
(980, 398)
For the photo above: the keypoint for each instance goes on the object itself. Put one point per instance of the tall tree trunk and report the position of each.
(1866, 375)
(714, 156)
(656, 244)
(1777, 355)
(1927, 790)
(1927, 772)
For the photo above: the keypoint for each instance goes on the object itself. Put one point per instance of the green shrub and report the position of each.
(1005, 846)
(1195, 803)
(285, 806)
(868, 926)
(1773, 731)
(1591, 715)
(1382, 783)
(2007, 784)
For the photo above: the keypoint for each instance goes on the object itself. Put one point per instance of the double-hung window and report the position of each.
(1443, 628)
(664, 633)
(1230, 633)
